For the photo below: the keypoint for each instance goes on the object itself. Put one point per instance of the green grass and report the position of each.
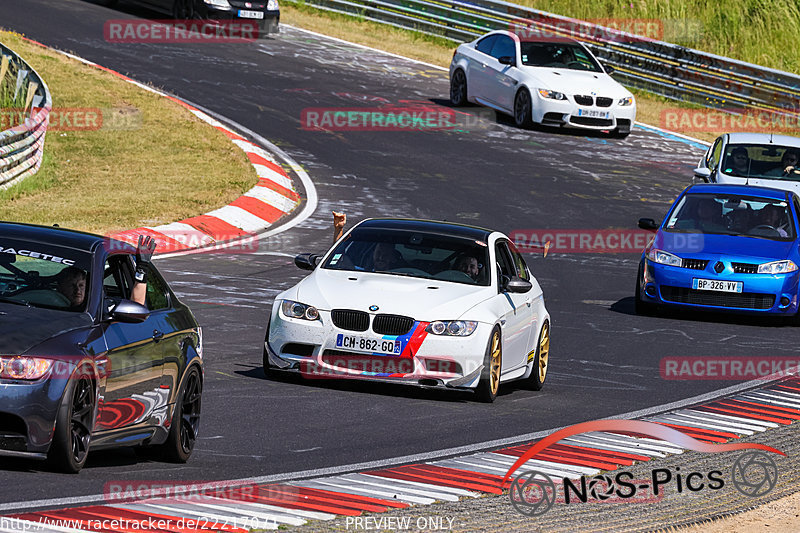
(163, 165)
(764, 32)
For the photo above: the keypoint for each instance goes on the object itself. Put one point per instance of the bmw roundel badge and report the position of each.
(373, 307)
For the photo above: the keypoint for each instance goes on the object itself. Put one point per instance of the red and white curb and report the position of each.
(272, 505)
(272, 198)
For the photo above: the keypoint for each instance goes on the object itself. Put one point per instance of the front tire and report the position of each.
(183, 9)
(492, 363)
(523, 109)
(542, 360)
(73, 431)
(185, 420)
(458, 89)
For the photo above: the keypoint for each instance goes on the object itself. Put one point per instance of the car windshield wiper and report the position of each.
(12, 301)
(407, 274)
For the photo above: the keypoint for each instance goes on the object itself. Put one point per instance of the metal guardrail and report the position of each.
(22, 147)
(666, 69)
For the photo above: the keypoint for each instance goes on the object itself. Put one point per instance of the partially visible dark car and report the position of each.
(266, 12)
(97, 370)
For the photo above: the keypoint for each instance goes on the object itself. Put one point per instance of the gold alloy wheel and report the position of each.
(544, 352)
(494, 364)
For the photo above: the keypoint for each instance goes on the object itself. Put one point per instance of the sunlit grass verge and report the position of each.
(150, 162)
(436, 51)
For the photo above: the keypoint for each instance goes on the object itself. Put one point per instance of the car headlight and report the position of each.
(23, 367)
(628, 100)
(217, 3)
(664, 258)
(551, 95)
(452, 328)
(297, 310)
(272, 5)
(777, 267)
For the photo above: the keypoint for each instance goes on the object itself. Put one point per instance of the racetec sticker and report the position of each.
(37, 255)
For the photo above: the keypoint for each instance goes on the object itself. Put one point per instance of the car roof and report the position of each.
(529, 39)
(726, 188)
(763, 138)
(78, 240)
(428, 226)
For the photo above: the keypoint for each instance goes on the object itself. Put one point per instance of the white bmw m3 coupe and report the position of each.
(433, 304)
(551, 82)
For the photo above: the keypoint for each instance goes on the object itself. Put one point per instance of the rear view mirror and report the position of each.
(518, 285)
(129, 311)
(507, 60)
(648, 224)
(306, 261)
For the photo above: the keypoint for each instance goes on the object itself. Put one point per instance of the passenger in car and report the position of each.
(788, 164)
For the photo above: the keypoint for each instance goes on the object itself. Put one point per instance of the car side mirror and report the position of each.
(518, 285)
(306, 261)
(703, 173)
(648, 224)
(508, 60)
(129, 311)
(609, 69)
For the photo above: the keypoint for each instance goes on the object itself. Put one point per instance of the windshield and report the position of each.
(761, 161)
(558, 55)
(729, 214)
(412, 253)
(43, 275)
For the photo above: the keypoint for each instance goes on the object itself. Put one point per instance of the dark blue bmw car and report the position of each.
(84, 366)
(723, 248)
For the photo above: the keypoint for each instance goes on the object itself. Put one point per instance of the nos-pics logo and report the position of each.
(533, 493)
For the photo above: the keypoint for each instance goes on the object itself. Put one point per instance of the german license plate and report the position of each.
(368, 345)
(592, 113)
(251, 14)
(716, 285)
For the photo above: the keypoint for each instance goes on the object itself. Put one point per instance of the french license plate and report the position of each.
(592, 113)
(251, 14)
(716, 285)
(365, 344)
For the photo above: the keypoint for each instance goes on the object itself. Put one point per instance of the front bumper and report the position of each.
(567, 113)
(28, 413)
(309, 347)
(268, 24)
(761, 293)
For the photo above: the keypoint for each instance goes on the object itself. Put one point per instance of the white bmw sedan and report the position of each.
(418, 302)
(551, 82)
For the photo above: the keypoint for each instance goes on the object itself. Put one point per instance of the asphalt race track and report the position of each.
(605, 359)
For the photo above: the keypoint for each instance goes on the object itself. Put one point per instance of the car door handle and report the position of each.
(157, 335)
(528, 302)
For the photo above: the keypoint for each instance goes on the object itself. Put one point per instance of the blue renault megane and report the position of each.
(723, 248)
